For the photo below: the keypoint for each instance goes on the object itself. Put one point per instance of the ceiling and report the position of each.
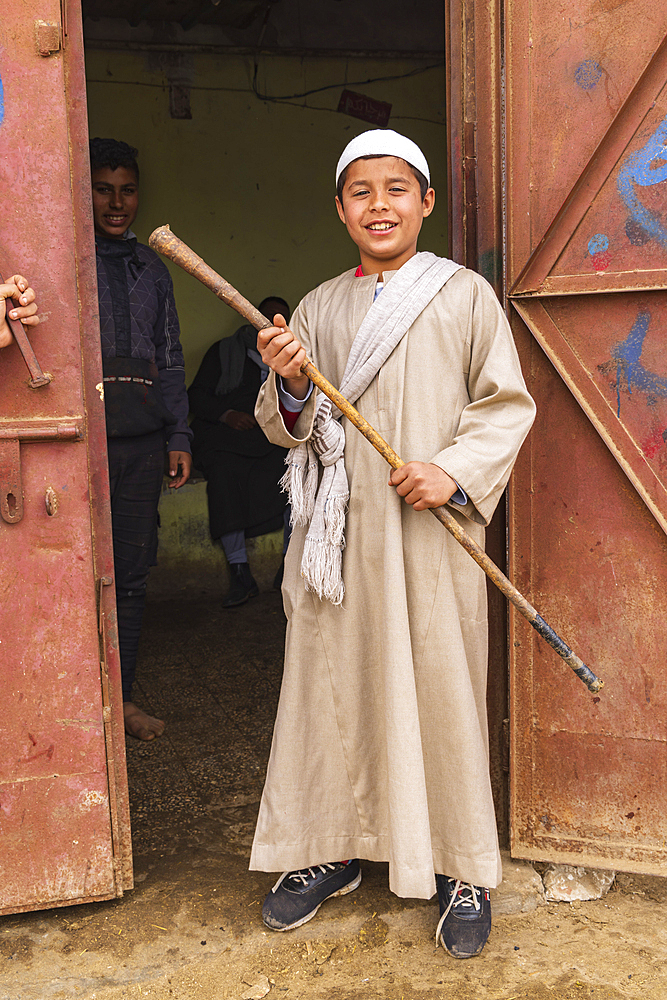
(360, 25)
(239, 14)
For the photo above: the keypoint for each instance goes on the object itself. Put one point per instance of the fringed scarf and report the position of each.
(387, 321)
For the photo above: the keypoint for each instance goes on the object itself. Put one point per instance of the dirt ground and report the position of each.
(191, 929)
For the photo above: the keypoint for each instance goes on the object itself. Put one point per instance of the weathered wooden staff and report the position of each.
(165, 242)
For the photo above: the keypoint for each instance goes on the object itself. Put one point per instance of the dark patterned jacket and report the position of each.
(154, 330)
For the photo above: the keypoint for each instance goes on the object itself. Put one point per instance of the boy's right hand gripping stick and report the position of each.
(164, 241)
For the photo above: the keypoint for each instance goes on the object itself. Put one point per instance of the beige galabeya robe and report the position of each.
(380, 748)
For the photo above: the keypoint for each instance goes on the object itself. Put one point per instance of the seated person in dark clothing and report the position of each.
(241, 466)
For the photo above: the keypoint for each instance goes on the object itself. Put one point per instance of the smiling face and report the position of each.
(383, 211)
(115, 200)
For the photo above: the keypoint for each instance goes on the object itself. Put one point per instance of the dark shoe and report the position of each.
(243, 585)
(465, 917)
(297, 896)
(278, 578)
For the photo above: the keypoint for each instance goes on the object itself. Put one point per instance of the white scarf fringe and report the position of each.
(322, 562)
(300, 483)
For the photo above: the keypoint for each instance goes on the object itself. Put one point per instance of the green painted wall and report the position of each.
(187, 558)
(249, 185)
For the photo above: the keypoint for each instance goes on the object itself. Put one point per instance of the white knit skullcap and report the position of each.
(383, 142)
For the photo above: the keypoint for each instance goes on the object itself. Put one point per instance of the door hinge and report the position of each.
(50, 37)
(47, 38)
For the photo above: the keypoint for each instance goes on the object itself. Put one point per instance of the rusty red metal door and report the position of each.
(64, 819)
(587, 253)
(580, 159)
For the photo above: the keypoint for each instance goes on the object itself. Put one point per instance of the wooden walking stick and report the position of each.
(165, 242)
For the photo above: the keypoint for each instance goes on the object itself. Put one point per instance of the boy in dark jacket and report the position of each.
(144, 393)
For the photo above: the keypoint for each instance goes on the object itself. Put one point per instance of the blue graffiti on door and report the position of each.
(644, 168)
(633, 377)
(629, 369)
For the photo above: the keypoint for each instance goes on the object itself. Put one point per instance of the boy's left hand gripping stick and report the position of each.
(165, 242)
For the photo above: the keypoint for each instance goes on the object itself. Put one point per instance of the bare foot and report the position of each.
(140, 725)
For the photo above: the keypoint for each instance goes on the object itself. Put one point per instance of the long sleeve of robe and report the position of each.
(380, 747)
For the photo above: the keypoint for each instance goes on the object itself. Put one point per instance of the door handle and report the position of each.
(37, 376)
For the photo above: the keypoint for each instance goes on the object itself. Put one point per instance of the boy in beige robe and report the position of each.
(380, 748)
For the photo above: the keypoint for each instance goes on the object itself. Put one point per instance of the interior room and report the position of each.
(240, 110)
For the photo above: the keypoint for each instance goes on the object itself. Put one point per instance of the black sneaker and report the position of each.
(465, 917)
(297, 896)
(242, 585)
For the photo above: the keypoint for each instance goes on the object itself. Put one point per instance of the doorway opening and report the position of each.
(240, 111)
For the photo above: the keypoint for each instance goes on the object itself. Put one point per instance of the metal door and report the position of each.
(581, 153)
(587, 252)
(64, 821)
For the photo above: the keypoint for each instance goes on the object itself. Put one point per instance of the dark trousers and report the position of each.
(136, 467)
